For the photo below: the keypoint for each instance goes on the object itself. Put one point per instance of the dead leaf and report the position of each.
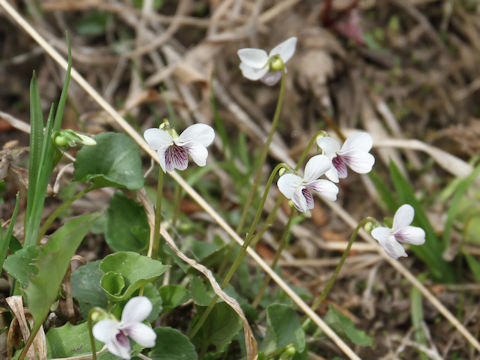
(39, 343)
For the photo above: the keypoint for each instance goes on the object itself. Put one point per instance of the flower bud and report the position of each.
(69, 138)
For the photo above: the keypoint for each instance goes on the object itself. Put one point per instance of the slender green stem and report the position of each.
(262, 202)
(176, 204)
(157, 249)
(27, 346)
(59, 210)
(307, 149)
(331, 281)
(250, 233)
(90, 331)
(283, 245)
(263, 155)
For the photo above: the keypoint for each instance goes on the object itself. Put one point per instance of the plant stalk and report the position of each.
(264, 154)
(59, 210)
(331, 281)
(283, 244)
(157, 249)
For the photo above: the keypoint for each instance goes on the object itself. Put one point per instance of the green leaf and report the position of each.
(86, 287)
(474, 266)
(173, 296)
(114, 161)
(53, 263)
(126, 228)
(152, 293)
(456, 202)
(113, 283)
(343, 326)
(136, 270)
(199, 292)
(94, 23)
(171, 344)
(219, 329)
(70, 340)
(431, 251)
(22, 265)
(416, 311)
(283, 328)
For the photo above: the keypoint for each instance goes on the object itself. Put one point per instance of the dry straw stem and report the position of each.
(195, 196)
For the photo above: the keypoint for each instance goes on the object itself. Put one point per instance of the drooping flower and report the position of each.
(115, 333)
(354, 153)
(173, 150)
(401, 231)
(256, 64)
(299, 189)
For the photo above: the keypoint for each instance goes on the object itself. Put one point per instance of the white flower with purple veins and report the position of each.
(299, 189)
(115, 334)
(173, 150)
(401, 231)
(354, 153)
(258, 65)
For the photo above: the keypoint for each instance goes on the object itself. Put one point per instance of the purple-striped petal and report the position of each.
(176, 158)
(340, 166)
(300, 201)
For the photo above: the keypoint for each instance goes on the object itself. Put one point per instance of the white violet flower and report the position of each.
(354, 153)
(173, 150)
(258, 65)
(299, 189)
(400, 232)
(115, 334)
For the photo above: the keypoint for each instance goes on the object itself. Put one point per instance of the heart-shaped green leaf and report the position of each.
(136, 271)
(127, 225)
(283, 328)
(113, 161)
(86, 287)
(171, 344)
(173, 295)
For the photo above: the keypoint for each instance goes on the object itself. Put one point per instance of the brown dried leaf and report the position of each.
(39, 343)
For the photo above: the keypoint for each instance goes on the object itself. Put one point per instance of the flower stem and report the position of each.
(307, 149)
(263, 155)
(59, 210)
(331, 281)
(176, 204)
(90, 331)
(157, 249)
(283, 244)
(249, 235)
(238, 260)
